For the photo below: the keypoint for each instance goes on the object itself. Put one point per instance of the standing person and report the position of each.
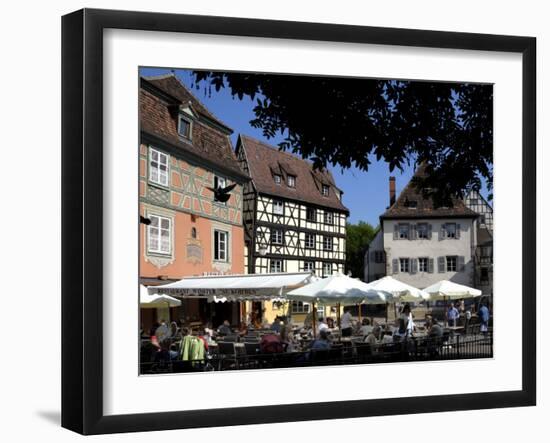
(406, 322)
(484, 315)
(452, 315)
(345, 323)
(467, 318)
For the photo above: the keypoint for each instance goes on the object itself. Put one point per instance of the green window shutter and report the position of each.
(431, 265)
(429, 231)
(440, 264)
(414, 265)
(458, 230)
(395, 266)
(396, 231)
(442, 232)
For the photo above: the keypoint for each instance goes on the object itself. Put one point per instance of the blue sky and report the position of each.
(366, 194)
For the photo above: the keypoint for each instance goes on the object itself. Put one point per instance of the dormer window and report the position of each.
(277, 179)
(291, 181)
(411, 204)
(184, 127)
(325, 190)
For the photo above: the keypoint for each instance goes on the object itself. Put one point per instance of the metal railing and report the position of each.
(447, 347)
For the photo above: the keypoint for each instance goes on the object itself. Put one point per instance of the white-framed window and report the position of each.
(277, 179)
(158, 167)
(450, 230)
(221, 246)
(423, 264)
(275, 265)
(329, 218)
(291, 181)
(327, 243)
(184, 127)
(159, 235)
(422, 230)
(309, 241)
(277, 236)
(325, 190)
(404, 265)
(311, 215)
(278, 207)
(451, 263)
(403, 231)
(298, 307)
(309, 266)
(327, 269)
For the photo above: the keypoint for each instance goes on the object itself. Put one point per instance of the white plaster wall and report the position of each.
(431, 248)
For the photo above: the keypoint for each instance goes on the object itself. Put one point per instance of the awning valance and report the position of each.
(240, 287)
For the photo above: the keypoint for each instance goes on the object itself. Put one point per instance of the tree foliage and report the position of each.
(358, 237)
(352, 121)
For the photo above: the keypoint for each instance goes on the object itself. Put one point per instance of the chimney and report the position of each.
(392, 190)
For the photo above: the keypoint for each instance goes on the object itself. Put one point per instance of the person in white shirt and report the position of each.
(322, 326)
(345, 323)
(366, 327)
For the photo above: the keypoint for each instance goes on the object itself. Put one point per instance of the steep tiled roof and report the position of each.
(411, 204)
(265, 160)
(159, 119)
(170, 84)
(484, 237)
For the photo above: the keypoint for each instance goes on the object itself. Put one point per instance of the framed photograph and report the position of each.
(269, 221)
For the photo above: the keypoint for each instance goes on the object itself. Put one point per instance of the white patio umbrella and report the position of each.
(151, 301)
(337, 289)
(445, 289)
(399, 291)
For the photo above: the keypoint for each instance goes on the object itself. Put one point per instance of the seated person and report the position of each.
(322, 326)
(224, 328)
(373, 337)
(366, 328)
(322, 342)
(276, 325)
(387, 337)
(435, 329)
(330, 323)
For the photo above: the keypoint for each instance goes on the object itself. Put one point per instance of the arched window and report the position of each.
(193, 232)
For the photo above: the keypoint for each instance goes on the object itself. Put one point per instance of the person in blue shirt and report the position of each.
(322, 342)
(276, 325)
(483, 314)
(452, 315)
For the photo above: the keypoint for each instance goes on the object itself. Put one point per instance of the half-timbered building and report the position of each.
(293, 215)
(483, 257)
(185, 150)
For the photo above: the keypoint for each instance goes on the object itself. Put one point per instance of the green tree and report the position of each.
(352, 121)
(358, 237)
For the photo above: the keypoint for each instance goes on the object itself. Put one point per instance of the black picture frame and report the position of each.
(82, 259)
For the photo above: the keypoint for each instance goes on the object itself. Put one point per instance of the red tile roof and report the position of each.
(159, 120)
(402, 208)
(265, 160)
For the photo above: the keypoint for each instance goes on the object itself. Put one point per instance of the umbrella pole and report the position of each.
(314, 312)
(359, 312)
(338, 315)
(387, 312)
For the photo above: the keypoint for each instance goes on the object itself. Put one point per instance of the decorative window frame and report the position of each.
(149, 168)
(159, 260)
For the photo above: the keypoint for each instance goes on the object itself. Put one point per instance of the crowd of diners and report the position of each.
(165, 341)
